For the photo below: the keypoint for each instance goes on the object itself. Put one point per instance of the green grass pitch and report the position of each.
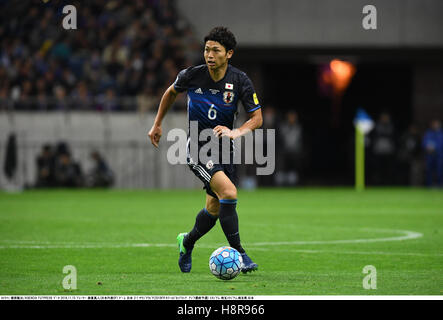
(306, 242)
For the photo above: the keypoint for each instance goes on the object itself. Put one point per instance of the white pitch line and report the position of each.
(29, 244)
(407, 235)
(353, 252)
(66, 245)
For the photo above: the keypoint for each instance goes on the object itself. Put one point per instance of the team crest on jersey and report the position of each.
(210, 165)
(228, 97)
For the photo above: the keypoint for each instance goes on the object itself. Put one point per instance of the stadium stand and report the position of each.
(120, 58)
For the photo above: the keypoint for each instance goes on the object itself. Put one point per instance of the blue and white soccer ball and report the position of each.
(225, 263)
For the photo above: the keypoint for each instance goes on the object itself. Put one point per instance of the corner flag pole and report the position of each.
(359, 159)
(363, 125)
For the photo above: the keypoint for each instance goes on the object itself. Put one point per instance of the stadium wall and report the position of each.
(320, 23)
(120, 137)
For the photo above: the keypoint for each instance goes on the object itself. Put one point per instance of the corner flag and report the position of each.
(363, 125)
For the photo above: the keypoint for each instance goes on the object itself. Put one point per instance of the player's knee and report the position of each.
(229, 193)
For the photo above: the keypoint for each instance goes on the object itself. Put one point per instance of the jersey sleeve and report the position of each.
(248, 96)
(182, 82)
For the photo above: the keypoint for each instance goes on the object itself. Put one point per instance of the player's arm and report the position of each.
(166, 102)
(255, 121)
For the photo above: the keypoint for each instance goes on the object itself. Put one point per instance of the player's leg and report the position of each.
(227, 195)
(204, 222)
(212, 205)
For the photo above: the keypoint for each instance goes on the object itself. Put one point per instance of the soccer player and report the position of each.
(214, 90)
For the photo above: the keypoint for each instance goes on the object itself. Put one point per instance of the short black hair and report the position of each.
(223, 36)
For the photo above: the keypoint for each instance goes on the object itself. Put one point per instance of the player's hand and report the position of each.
(222, 131)
(155, 134)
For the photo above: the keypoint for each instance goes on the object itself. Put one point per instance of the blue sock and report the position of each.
(203, 223)
(229, 223)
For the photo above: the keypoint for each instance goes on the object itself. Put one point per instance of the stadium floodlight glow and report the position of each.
(342, 73)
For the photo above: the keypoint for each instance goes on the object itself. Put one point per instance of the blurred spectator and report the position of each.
(60, 102)
(5, 103)
(383, 150)
(81, 98)
(269, 117)
(11, 157)
(100, 175)
(68, 174)
(61, 147)
(23, 95)
(147, 101)
(409, 157)
(433, 148)
(106, 51)
(291, 150)
(45, 168)
(269, 122)
(108, 101)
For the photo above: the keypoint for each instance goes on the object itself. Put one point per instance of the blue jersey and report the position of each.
(215, 103)
(434, 140)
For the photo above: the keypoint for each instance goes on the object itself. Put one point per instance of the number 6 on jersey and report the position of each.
(212, 112)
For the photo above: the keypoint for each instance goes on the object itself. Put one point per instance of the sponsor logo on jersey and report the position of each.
(214, 91)
(199, 91)
(228, 97)
(229, 86)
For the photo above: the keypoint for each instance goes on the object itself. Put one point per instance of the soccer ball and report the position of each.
(225, 263)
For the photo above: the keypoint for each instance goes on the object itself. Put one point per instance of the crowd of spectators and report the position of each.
(56, 167)
(412, 156)
(122, 55)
